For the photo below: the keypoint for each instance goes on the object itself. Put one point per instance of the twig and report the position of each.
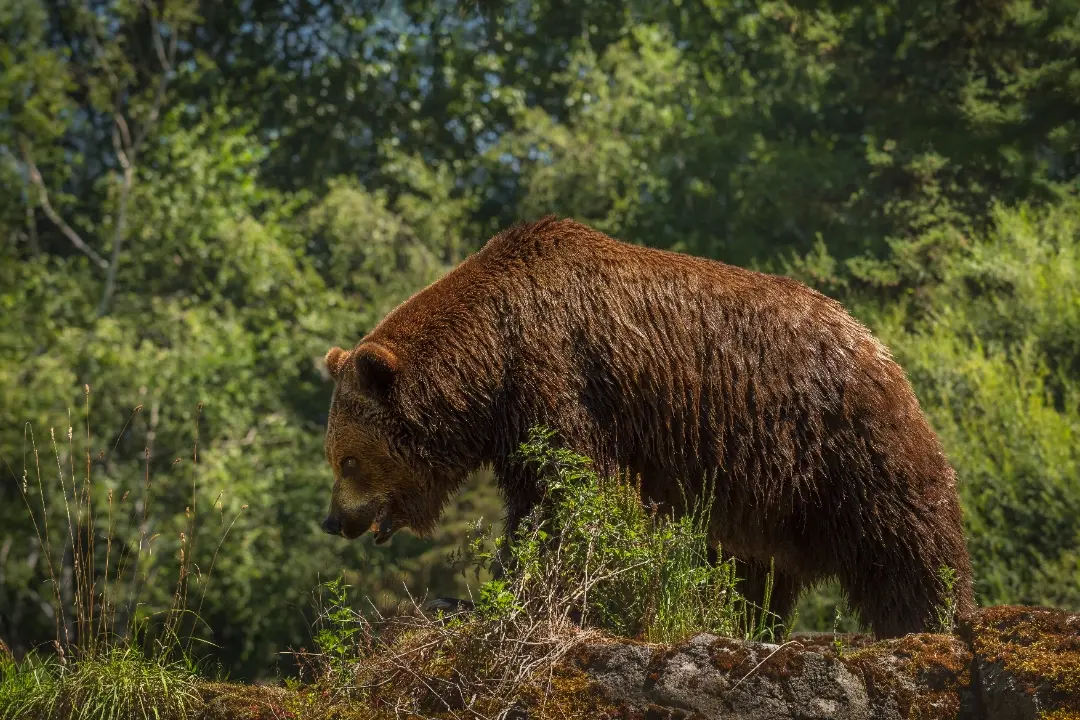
(789, 642)
(166, 67)
(126, 157)
(43, 198)
(100, 51)
(127, 150)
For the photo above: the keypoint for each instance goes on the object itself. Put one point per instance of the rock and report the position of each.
(924, 676)
(716, 677)
(1027, 662)
(1002, 697)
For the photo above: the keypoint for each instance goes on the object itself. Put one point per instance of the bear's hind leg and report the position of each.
(890, 604)
(900, 592)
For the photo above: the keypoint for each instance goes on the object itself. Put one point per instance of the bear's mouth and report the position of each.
(383, 525)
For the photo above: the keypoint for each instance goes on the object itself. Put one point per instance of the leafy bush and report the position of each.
(593, 546)
(995, 365)
(335, 638)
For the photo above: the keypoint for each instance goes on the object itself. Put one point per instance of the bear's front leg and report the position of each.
(520, 497)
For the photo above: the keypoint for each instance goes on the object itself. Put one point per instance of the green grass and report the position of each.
(119, 683)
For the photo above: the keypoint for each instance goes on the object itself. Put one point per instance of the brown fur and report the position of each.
(670, 367)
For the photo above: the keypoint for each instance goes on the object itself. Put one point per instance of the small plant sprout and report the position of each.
(335, 638)
(946, 611)
(838, 638)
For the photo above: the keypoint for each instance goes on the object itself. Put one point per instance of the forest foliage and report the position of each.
(198, 199)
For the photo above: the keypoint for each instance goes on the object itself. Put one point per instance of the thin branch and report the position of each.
(167, 61)
(120, 123)
(43, 199)
(31, 230)
(127, 150)
(30, 221)
(126, 161)
(98, 50)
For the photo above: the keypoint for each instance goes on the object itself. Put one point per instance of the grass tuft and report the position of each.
(120, 683)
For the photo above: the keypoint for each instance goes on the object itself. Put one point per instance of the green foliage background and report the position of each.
(197, 199)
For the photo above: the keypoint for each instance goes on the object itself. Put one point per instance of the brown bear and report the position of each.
(672, 368)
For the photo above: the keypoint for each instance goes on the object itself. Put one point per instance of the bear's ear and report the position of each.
(335, 361)
(376, 370)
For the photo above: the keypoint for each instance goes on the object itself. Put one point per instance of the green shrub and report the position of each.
(996, 367)
(336, 629)
(993, 353)
(591, 546)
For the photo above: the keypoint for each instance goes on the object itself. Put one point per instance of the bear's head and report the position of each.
(379, 482)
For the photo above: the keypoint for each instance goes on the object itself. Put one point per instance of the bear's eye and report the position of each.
(348, 464)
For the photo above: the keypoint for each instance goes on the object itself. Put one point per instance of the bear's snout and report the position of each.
(331, 525)
(351, 523)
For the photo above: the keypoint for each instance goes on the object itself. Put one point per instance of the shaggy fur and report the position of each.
(673, 368)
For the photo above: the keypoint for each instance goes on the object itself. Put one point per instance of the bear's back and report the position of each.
(551, 244)
(564, 259)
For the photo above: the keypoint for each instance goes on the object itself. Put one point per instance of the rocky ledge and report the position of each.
(1006, 663)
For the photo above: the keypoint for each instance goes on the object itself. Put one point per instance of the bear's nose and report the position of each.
(331, 525)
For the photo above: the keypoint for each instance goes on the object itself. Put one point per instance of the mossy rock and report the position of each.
(917, 676)
(1027, 661)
